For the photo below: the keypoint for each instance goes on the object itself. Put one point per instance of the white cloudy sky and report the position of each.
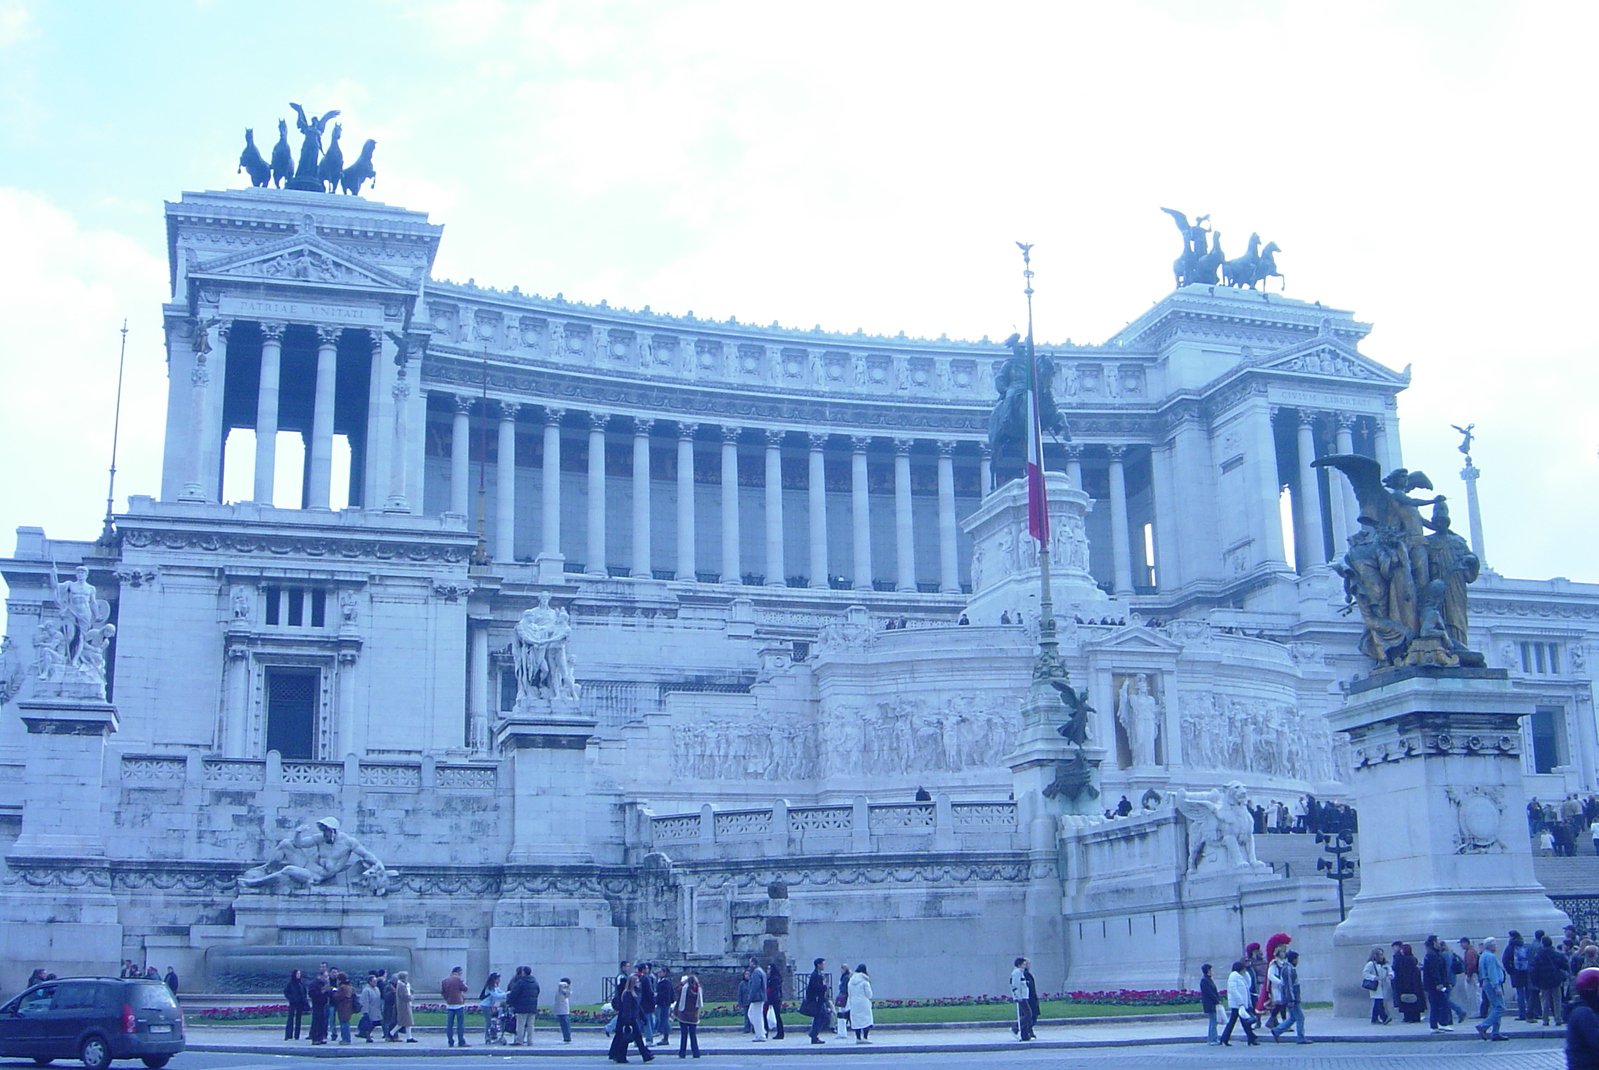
(862, 164)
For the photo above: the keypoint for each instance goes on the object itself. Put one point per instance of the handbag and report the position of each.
(1369, 984)
(1409, 997)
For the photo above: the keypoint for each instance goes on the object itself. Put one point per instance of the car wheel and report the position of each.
(156, 1062)
(95, 1053)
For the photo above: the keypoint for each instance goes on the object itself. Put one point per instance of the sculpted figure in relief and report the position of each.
(315, 854)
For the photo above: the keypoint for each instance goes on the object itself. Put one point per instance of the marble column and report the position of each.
(1120, 548)
(949, 576)
(266, 411)
(775, 571)
(1379, 444)
(596, 533)
(483, 703)
(643, 567)
(1315, 538)
(198, 476)
(398, 497)
(1268, 487)
(236, 719)
(685, 503)
(816, 491)
(505, 485)
(550, 486)
(1074, 465)
(1344, 441)
(860, 512)
(904, 532)
(1473, 513)
(319, 489)
(732, 571)
(1168, 576)
(985, 470)
(460, 452)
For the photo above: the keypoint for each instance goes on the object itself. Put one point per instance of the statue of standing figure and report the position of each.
(306, 174)
(544, 666)
(1138, 712)
(1197, 264)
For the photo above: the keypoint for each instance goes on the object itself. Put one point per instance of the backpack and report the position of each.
(1457, 965)
(1520, 958)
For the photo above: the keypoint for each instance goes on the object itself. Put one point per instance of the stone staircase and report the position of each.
(1296, 855)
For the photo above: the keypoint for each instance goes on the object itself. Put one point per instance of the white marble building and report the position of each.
(733, 516)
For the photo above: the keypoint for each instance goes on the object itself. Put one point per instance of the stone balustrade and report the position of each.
(857, 827)
(259, 774)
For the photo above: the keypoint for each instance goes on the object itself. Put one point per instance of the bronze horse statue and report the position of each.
(251, 160)
(1253, 267)
(1267, 268)
(1007, 423)
(361, 170)
(331, 169)
(1205, 268)
(282, 157)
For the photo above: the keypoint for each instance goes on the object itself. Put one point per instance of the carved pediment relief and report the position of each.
(304, 261)
(1330, 358)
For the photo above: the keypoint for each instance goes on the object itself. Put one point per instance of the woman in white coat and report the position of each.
(1239, 1010)
(860, 1004)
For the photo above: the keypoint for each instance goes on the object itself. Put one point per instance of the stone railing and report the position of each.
(271, 772)
(857, 827)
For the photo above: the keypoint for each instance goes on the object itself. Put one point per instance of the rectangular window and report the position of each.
(319, 608)
(1526, 657)
(291, 710)
(1538, 652)
(296, 607)
(271, 596)
(1548, 732)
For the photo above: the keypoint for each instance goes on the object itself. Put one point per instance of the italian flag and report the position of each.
(1037, 502)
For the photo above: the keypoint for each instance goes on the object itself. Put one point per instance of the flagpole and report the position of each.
(107, 529)
(1048, 666)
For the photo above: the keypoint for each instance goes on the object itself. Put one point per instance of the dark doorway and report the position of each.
(291, 707)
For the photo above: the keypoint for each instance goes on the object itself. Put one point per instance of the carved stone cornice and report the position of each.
(450, 549)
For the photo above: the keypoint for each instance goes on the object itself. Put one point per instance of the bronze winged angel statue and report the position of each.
(1408, 585)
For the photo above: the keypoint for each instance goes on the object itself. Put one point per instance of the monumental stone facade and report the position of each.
(791, 604)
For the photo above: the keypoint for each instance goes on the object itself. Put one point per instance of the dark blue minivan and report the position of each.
(95, 1019)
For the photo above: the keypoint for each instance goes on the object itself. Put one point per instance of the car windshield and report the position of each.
(152, 996)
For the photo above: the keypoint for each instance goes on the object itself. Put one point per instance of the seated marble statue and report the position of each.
(315, 854)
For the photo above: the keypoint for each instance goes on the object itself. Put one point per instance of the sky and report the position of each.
(864, 164)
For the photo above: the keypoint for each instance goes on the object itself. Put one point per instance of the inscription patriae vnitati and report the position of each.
(299, 311)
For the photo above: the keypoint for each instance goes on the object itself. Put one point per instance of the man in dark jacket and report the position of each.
(1547, 969)
(523, 1000)
(665, 1000)
(817, 998)
(1437, 980)
(1582, 1023)
(1515, 963)
(391, 1006)
(317, 993)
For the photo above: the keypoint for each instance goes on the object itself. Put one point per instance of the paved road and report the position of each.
(1517, 1055)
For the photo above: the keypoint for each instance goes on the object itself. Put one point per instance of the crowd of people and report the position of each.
(1557, 830)
(1308, 815)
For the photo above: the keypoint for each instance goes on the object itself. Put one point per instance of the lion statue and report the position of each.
(1219, 817)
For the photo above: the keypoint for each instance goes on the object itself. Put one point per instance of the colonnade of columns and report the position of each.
(1325, 510)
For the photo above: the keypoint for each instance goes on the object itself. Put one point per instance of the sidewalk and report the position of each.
(1053, 1034)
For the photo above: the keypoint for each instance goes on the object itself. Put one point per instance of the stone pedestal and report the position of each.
(291, 927)
(65, 769)
(548, 753)
(550, 569)
(1443, 833)
(1005, 557)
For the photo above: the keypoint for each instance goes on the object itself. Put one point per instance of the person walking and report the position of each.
(1239, 1005)
(489, 1001)
(371, 1002)
(404, 1019)
(1582, 1022)
(1209, 1000)
(1547, 969)
(1470, 990)
(690, 1000)
(1515, 963)
(523, 999)
(1019, 994)
(665, 1000)
(390, 1012)
(1032, 993)
(628, 1023)
(317, 995)
(562, 1008)
(1375, 977)
(624, 972)
(841, 1001)
(645, 974)
(299, 1001)
(1291, 1001)
(1410, 993)
(860, 1004)
(818, 998)
(453, 990)
(772, 1010)
(1436, 979)
(172, 979)
(755, 993)
(1491, 972)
